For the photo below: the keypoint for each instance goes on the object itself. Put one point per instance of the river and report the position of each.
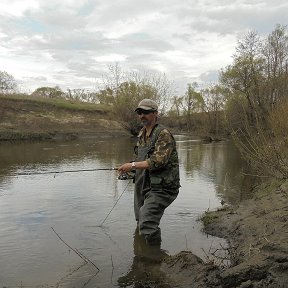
(33, 208)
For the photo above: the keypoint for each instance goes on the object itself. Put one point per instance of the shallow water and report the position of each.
(75, 204)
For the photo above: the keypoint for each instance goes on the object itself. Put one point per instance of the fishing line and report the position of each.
(63, 171)
(84, 170)
(101, 225)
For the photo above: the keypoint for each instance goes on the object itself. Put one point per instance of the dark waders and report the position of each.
(150, 200)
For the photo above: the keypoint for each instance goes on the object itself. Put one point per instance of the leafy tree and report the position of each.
(246, 73)
(105, 96)
(124, 90)
(176, 109)
(128, 95)
(7, 83)
(49, 92)
(215, 99)
(257, 85)
(259, 73)
(191, 102)
(275, 53)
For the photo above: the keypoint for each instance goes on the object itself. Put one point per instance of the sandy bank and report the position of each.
(257, 231)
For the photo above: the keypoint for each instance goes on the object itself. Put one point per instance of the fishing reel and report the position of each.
(125, 176)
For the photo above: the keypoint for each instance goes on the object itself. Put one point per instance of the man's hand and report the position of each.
(127, 167)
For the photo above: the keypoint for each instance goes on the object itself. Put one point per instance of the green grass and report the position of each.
(60, 103)
(208, 217)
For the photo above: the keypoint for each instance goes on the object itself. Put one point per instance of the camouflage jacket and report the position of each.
(162, 156)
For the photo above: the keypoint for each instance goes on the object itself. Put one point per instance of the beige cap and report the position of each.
(147, 104)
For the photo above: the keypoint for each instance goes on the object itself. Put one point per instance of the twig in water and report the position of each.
(89, 280)
(88, 260)
(69, 274)
(186, 242)
(112, 263)
(112, 268)
(253, 175)
(114, 205)
(76, 251)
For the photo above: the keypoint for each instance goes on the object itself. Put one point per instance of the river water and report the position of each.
(33, 208)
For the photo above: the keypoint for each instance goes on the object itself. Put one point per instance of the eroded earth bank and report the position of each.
(257, 231)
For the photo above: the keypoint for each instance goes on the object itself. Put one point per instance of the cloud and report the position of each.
(71, 42)
(17, 8)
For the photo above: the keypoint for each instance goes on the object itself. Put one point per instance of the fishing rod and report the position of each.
(124, 176)
(64, 171)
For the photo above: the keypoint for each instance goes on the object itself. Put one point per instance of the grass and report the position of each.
(59, 103)
(208, 218)
(268, 187)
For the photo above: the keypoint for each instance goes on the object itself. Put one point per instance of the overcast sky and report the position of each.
(70, 42)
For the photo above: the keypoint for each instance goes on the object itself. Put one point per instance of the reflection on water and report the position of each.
(74, 204)
(219, 163)
(145, 266)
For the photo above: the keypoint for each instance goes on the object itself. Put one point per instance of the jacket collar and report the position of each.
(143, 132)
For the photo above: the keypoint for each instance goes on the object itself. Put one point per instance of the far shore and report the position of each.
(59, 136)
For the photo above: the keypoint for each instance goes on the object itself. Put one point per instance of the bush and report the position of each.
(267, 147)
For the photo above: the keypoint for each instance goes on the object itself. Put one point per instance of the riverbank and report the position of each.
(28, 118)
(257, 233)
(24, 118)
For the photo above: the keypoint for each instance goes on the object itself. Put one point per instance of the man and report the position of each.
(157, 172)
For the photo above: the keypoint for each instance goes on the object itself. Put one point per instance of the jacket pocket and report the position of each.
(155, 180)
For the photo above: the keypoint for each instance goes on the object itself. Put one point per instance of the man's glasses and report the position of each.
(145, 112)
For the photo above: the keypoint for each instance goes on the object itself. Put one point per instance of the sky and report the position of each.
(71, 43)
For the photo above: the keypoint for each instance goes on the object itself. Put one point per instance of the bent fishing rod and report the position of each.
(64, 171)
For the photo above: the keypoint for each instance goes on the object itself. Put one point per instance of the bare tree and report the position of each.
(123, 91)
(164, 88)
(275, 52)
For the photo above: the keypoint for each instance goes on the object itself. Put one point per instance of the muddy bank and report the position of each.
(257, 231)
(60, 135)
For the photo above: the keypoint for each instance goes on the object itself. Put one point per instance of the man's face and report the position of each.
(147, 117)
